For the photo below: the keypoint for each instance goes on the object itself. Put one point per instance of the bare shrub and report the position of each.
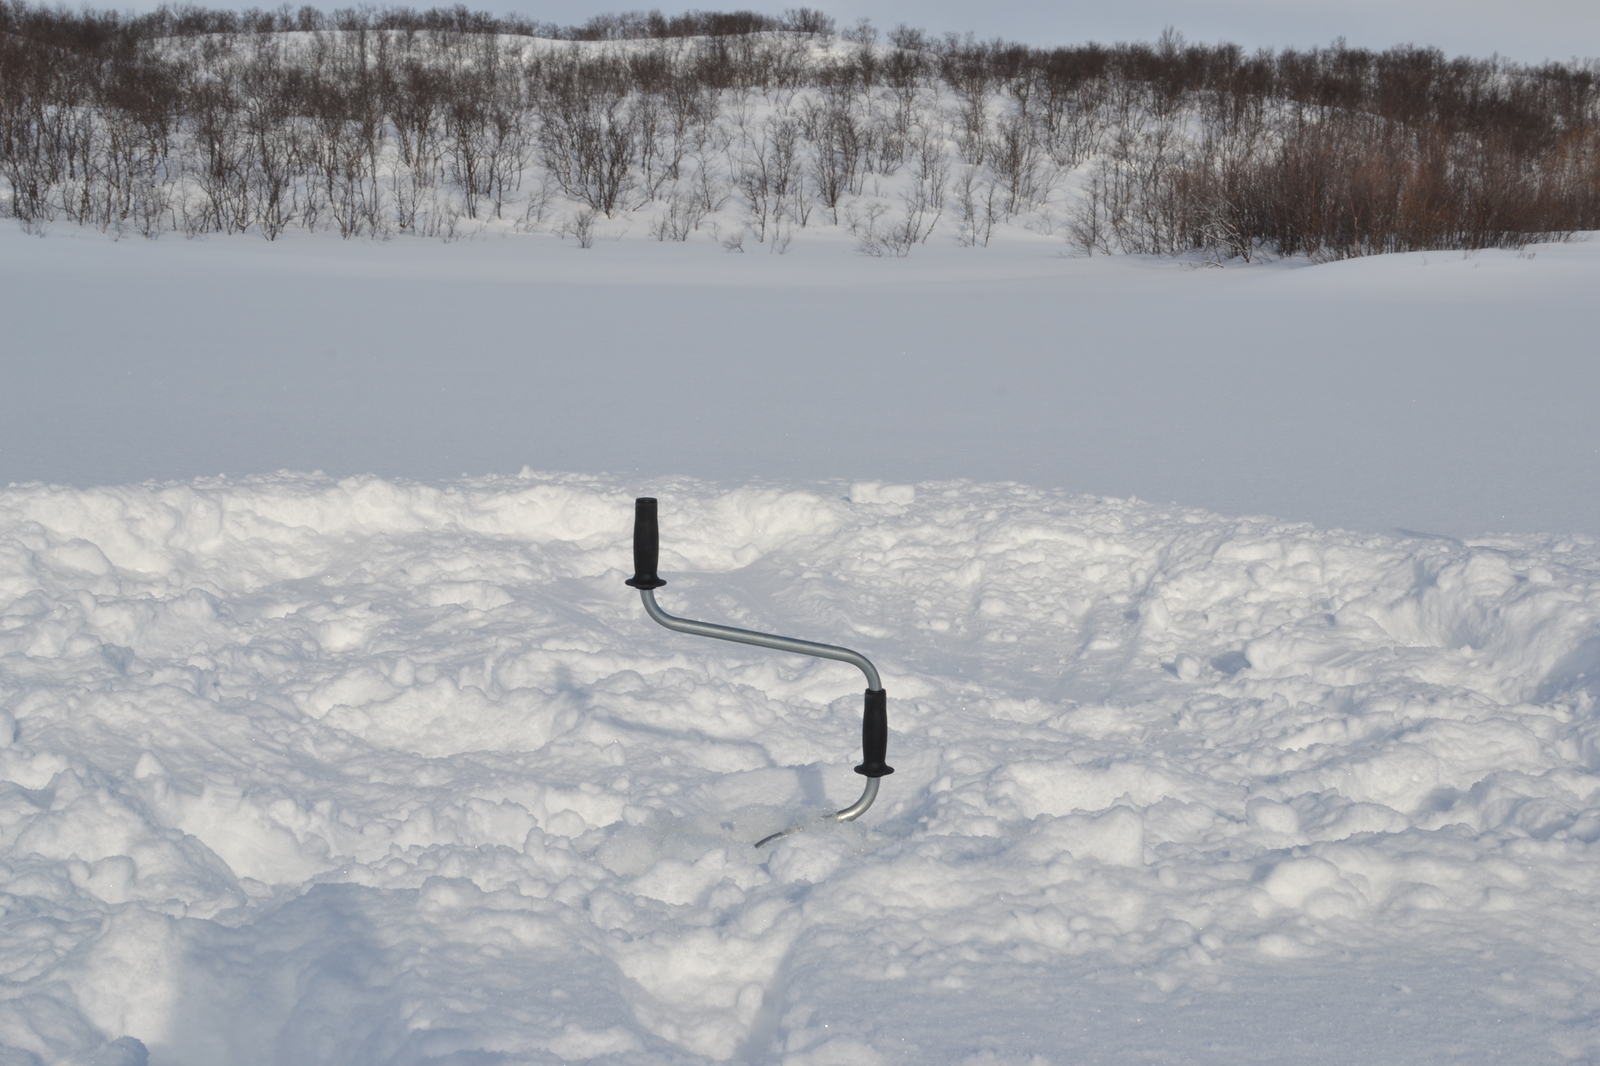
(682, 217)
(965, 67)
(979, 201)
(587, 137)
(838, 139)
(580, 227)
(1015, 158)
(538, 206)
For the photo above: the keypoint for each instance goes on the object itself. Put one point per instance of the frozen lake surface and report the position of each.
(1430, 392)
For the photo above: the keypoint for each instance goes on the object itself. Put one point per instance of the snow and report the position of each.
(1429, 392)
(382, 763)
(305, 769)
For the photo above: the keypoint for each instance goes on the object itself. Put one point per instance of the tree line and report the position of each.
(748, 127)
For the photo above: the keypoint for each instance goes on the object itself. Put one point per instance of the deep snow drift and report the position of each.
(311, 771)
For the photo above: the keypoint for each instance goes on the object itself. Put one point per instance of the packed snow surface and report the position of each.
(301, 770)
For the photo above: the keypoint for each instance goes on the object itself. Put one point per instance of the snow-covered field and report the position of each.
(366, 771)
(390, 767)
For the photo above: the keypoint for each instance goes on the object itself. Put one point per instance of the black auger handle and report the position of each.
(875, 735)
(875, 716)
(646, 545)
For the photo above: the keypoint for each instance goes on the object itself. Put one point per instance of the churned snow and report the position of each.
(303, 770)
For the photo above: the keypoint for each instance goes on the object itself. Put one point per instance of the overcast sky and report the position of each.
(1526, 30)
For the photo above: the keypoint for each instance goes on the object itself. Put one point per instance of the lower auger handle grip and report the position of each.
(646, 545)
(875, 735)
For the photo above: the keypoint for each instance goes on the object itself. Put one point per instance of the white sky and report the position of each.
(1529, 30)
(1525, 30)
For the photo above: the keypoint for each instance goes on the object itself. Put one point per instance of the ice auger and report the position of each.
(875, 716)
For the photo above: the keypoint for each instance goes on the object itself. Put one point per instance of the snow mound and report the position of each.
(360, 771)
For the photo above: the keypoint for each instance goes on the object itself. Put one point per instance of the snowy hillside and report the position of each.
(299, 770)
(756, 132)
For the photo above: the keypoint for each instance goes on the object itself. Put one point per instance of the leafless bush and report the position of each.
(967, 70)
(538, 206)
(1015, 159)
(587, 137)
(863, 223)
(581, 228)
(1090, 229)
(979, 202)
(769, 172)
(682, 217)
(838, 142)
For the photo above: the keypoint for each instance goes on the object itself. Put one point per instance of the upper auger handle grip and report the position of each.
(646, 545)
